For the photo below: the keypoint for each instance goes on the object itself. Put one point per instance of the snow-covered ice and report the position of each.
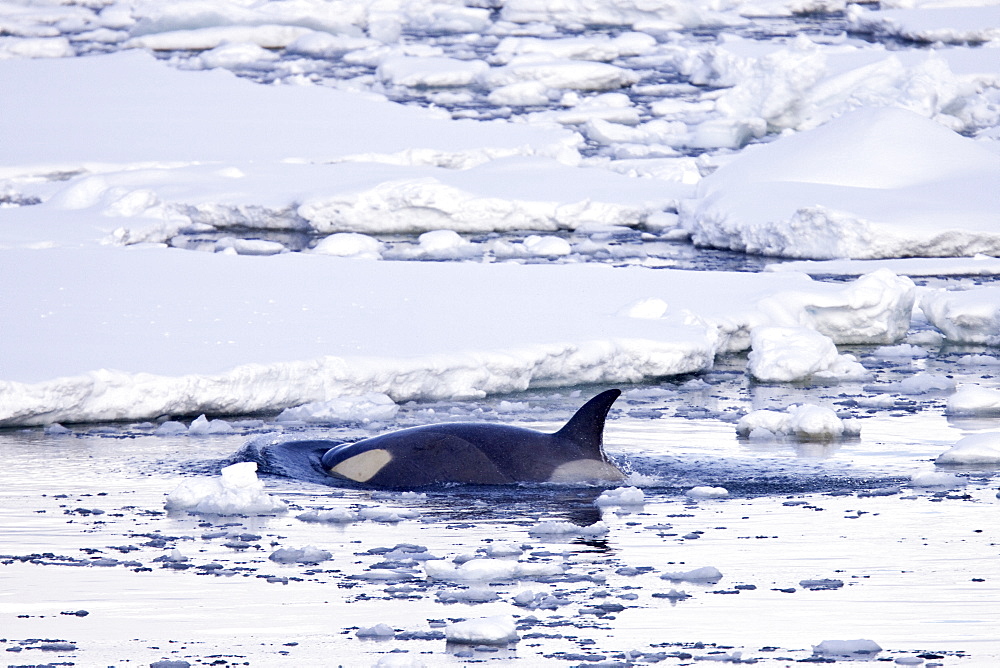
(977, 449)
(498, 629)
(237, 491)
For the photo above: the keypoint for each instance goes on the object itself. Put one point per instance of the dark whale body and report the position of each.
(481, 454)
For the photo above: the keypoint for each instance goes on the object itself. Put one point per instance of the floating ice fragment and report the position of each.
(202, 426)
(171, 428)
(791, 354)
(919, 383)
(974, 450)
(380, 630)
(333, 515)
(237, 491)
(820, 585)
(304, 555)
(621, 496)
(56, 429)
(555, 528)
(540, 601)
(497, 630)
(974, 400)
(704, 492)
(802, 421)
(487, 570)
(847, 647)
(936, 479)
(468, 595)
(708, 574)
(350, 244)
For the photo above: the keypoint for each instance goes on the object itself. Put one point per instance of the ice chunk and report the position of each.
(621, 496)
(469, 595)
(921, 382)
(333, 515)
(974, 450)
(546, 246)
(847, 648)
(965, 316)
(802, 421)
(704, 492)
(556, 528)
(935, 479)
(789, 354)
(497, 630)
(974, 400)
(488, 570)
(430, 72)
(237, 491)
(707, 574)
(202, 426)
(380, 630)
(304, 555)
(350, 244)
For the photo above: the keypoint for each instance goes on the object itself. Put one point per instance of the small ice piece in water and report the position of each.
(621, 496)
(380, 630)
(488, 570)
(237, 492)
(898, 352)
(847, 648)
(556, 528)
(546, 246)
(333, 515)
(974, 450)
(202, 426)
(795, 354)
(935, 479)
(304, 555)
(350, 244)
(803, 421)
(705, 492)
(497, 630)
(708, 574)
(974, 400)
(171, 428)
(497, 550)
(918, 383)
(56, 429)
(469, 595)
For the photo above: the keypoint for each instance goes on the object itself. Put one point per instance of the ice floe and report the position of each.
(973, 450)
(237, 491)
(802, 421)
(872, 183)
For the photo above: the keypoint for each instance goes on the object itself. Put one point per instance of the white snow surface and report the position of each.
(971, 400)
(872, 183)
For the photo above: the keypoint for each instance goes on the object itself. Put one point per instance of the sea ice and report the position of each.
(621, 496)
(304, 555)
(802, 421)
(847, 648)
(707, 492)
(488, 570)
(380, 630)
(974, 400)
(237, 491)
(790, 354)
(496, 630)
(965, 316)
(556, 528)
(973, 450)
(872, 183)
(707, 574)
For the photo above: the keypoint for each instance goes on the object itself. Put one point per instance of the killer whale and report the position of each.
(480, 453)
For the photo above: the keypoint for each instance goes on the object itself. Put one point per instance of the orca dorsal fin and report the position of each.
(586, 427)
